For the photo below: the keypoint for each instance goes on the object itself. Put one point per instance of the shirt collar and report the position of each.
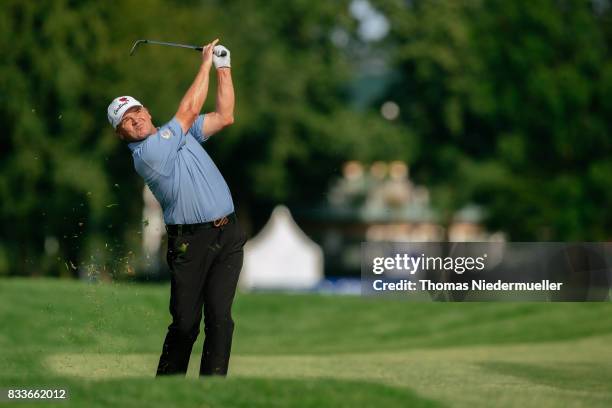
(134, 145)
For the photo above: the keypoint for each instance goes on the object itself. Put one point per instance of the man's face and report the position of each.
(136, 124)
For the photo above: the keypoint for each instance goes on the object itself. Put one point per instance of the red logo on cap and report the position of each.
(124, 99)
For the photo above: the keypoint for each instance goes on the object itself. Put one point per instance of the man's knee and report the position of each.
(217, 317)
(186, 328)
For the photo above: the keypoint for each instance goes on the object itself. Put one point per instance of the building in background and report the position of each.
(381, 203)
(153, 231)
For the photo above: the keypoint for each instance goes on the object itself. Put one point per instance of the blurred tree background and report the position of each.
(501, 103)
(511, 102)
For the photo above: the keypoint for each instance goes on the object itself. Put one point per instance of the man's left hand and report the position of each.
(221, 62)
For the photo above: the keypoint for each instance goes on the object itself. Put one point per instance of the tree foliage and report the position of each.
(512, 99)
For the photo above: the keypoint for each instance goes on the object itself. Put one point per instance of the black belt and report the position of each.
(180, 229)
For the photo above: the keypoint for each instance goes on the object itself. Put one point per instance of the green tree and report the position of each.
(509, 101)
(52, 178)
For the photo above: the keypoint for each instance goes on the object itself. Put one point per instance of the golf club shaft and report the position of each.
(169, 44)
(193, 47)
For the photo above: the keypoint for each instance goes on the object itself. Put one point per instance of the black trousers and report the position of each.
(204, 266)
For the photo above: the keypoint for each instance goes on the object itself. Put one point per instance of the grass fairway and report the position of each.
(102, 341)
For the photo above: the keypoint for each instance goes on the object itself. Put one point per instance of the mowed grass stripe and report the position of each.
(581, 353)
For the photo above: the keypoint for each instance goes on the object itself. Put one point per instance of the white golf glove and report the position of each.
(221, 62)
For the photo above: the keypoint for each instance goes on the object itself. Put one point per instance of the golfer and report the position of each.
(205, 242)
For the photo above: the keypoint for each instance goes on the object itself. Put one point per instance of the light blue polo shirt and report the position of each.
(181, 175)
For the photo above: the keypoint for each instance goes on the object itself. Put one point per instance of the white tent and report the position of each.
(281, 256)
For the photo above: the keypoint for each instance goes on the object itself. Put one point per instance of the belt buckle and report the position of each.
(220, 222)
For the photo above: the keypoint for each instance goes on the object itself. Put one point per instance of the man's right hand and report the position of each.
(207, 53)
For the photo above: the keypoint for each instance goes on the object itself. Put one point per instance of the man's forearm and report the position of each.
(225, 95)
(195, 96)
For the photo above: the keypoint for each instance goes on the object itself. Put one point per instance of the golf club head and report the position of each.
(136, 44)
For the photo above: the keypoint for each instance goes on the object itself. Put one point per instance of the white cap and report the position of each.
(117, 108)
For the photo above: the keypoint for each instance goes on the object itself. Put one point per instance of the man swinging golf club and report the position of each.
(205, 242)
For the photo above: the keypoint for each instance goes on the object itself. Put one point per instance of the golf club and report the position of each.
(193, 47)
